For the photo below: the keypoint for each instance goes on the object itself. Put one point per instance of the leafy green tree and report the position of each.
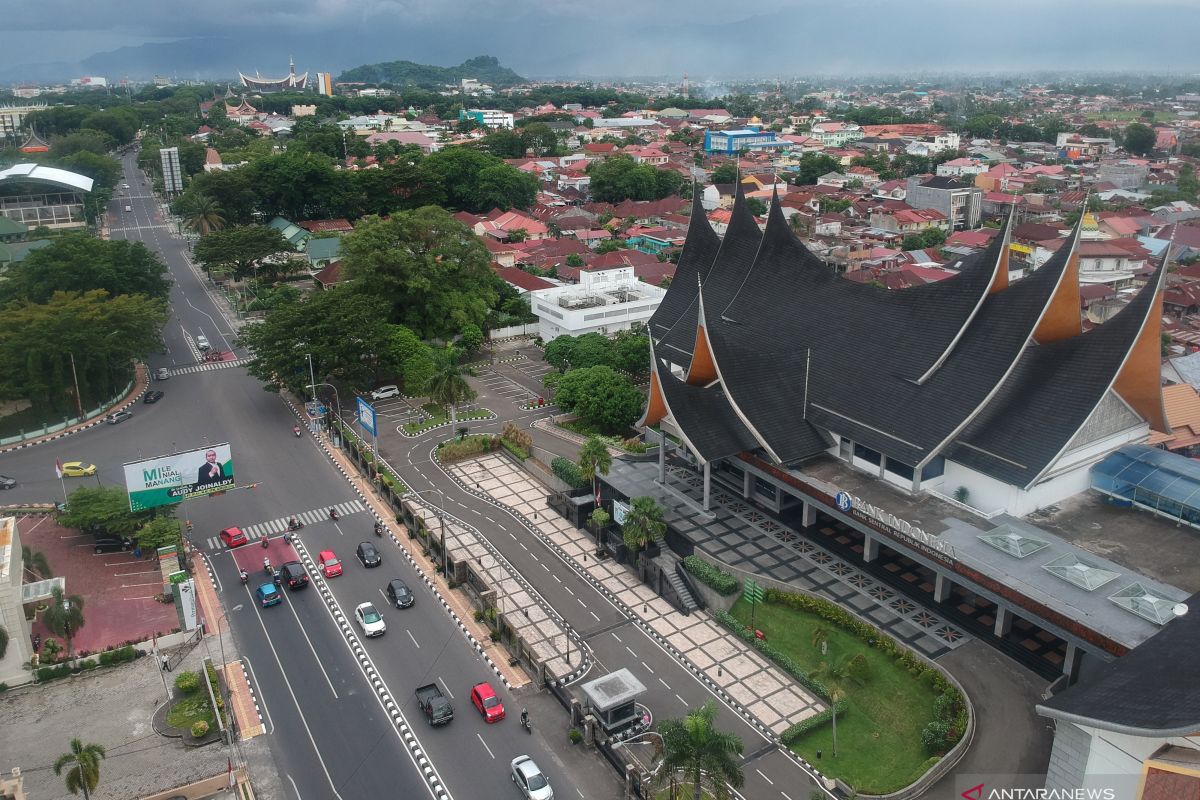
(600, 396)
(630, 351)
(295, 185)
(1187, 183)
(121, 124)
(64, 615)
(240, 249)
(574, 260)
(912, 241)
(448, 385)
(621, 178)
(476, 181)
(428, 266)
(103, 507)
(504, 143)
(103, 169)
(1139, 138)
(35, 564)
(726, 172)
(610, 246)
(83, 761)
(400, 345)
(78, 262)
(201, 213)
(813, 166)
(594, 459)
(932, 237)
(694, 747)
(158, 532)
(471, 339)
(757, 207)
(579, 352)
(643, 523)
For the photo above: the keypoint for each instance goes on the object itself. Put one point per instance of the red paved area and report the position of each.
(250, 557)
(117, 589)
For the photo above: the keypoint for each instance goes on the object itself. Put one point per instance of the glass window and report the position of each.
(867, 454)
(900, 468)
(765, 488)
(934, 469)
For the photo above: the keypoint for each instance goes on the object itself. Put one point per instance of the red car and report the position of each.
(329, 565)
(233, 537)
(484, 698)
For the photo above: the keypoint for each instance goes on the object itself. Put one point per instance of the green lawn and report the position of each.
(413, 428)
(879, 734)
(193, 708)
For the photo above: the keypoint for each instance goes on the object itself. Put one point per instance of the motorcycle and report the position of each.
(267, 566)
(245, 578)
(378, 529)
(525, 723)
(295, 524)
(333, 515)
(296, 430)
(287, 537)
(265, 543)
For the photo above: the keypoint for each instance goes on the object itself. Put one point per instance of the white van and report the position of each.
(129, 208)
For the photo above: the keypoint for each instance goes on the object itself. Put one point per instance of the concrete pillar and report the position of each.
(1004, 619)
(808, 514)
(589, 730)
(1071, 662)
(941, 588)
(662, 460)
(576, 711)
(629, 770)
(707, 484)
(541, 674)
(870, 549)
(747, 484)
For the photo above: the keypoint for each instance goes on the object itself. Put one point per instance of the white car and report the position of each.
(530, 780)
(202, 342)
(370, 620)
(385, 392)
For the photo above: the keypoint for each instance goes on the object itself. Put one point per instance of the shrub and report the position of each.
(937, 737)
(946, 707)
(722, 582)
(199, 729)
(575, 735)
(187, 682)
(634, 445)
(515, 449)
(3, 687)
(794, 733)
(568, 472)
(456, 449)
(517, 436)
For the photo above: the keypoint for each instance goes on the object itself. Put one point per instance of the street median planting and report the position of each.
(416, 428)
(466, 447)
(717, 579)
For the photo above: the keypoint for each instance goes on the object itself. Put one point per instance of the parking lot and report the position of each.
(118, 590)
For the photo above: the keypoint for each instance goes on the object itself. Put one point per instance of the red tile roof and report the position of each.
(326, 225)
(522, 279)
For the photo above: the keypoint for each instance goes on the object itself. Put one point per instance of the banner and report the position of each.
(620, 511)
(172, 478)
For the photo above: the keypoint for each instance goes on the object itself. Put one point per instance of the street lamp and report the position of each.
(336, 398)
(225, 697)
(312, 377)
(442, 518)
(633, 740)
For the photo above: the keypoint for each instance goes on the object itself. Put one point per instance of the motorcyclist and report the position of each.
(243, 575)
(265, 542)
(293, 524)
(378, 529)
(333, 513)
(296, 430)
(524, 718)
(266, 565)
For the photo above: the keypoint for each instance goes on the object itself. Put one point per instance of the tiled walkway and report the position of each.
(740, 535)
(767, 694)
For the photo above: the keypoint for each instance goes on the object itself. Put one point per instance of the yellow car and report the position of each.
(78, 469)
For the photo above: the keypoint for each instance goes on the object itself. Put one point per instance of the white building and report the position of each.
(604, 301)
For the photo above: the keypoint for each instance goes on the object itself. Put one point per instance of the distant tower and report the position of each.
(292, 69)
(685, 85)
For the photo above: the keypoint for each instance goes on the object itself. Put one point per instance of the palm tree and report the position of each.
(837, 678)
(694, 747)
(594, 459)
(3, 641)
(203, 215)
(643, 523)
(64, 616)
(85, 774)
(448, 385)
(35, 563)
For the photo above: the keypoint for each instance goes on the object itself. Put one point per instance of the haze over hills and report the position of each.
(485, 69)
(710, 40)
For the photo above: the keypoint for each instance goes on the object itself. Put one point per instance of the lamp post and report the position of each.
(224, 697)
(336, 398)
(312, 377)
(442, 518)
(633, 740)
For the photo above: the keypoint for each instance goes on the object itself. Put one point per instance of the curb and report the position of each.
(130, 400)
(492, 415)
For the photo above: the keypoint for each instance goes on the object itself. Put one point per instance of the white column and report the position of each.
(747, 484)
(1004, 619)
(870, 548)
(662, 460)
(707, 484)
(941, 588)
(808, 516)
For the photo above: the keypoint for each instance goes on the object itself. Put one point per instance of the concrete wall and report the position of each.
(1068, 757)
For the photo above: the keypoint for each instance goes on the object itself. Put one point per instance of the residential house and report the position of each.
(909, 221)
(655, 240)
(521, 280)
(960, 204)
(323, 251)
(293, 233)
(428, 144)
(502, 226)
(837, 134)
(958, 167)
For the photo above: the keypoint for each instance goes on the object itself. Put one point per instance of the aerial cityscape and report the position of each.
(600, 401)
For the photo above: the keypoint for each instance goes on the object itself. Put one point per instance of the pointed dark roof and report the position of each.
(706, 418)
(678, 305)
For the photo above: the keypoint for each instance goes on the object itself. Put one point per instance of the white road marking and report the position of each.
(485, 747)
(664, 683)
(593, 613)
(447, 688)
(618, 638)
(414, 640)
(764, 777)
(647, 666)
(680, 699)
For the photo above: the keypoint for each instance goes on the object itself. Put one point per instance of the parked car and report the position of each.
(386, 392)
(78, 469)
(329, 565)
(110, 543)
(368, 554)
(234, 537)
(268, 594)
(484, 698)
(7, 482)
(370, 620)
(162, 374)
(294, 575)
(202, 342)
(399, 595)
(152, 397)
(530, 780)
(118, 417)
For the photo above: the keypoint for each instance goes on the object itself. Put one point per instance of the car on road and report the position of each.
(162, 374)
(128, 208)
(234, 537)
(484, 698)
(78, 469)
(368, 554)
(399, 595)
(294, 575)
(7, 482)
(124, 185)
(386, 392)
(268, 594)
(370, 620)
(118, 417)
(109, 543)
(202, 342)
(152, 397)
(530, 780)
(329, 565)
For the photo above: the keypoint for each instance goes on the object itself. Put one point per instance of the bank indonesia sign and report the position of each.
(888, 523)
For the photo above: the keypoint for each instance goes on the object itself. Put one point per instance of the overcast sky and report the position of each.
(706, 38)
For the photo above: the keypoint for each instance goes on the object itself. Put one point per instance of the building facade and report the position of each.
(487, 117)
(732, 142)
(604, 301)
(11, 118)
(962, 205)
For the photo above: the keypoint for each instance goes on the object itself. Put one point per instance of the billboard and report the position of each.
(171, 478)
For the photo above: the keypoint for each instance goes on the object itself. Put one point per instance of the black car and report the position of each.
(294, 575)
(152, 397)
(399, 595)
(369, 555)
(7, 482)
(108, 543)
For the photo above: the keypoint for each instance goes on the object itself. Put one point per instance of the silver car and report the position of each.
(530, 780)
(370, 620)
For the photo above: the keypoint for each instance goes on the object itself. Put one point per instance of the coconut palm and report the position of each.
(84, 762)
(64, 616)
(837, 678)
(692, 746)
(35, 563)
(448, 385)
(594, 459)
(202, 214)
(643, 523)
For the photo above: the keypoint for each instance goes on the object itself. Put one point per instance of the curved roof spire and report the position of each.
(678, 305)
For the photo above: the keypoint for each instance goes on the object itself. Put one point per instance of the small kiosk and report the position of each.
(613, 700)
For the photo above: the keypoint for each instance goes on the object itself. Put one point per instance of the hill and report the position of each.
(485, 69)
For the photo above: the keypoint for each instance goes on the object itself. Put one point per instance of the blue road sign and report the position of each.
(366, 415)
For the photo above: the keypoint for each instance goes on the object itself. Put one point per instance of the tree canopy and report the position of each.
(1139, 138)
(621, 178)
(239, 249)
(78, 262)
(600, 396)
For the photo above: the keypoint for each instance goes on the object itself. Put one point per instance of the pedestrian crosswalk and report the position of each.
(205, 367)
(275, 526)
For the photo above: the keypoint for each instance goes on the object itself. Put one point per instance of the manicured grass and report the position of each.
(589, 430)
(434, 410)
(879, 734)
(192, 708)
(413, 428)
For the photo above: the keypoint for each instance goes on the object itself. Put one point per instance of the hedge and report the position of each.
(568, 472)
(515, 449)
(789, 736)
(720, 581)
(455, 449)
(781, 659)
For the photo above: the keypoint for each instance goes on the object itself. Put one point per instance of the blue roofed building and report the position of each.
(731, 142)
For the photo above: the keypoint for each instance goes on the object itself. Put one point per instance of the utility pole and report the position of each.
(75, 375)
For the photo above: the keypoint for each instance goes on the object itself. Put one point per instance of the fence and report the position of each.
(47, 428)
(530, 329)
